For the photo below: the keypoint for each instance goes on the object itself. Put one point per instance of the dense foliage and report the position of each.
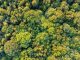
(39, 29)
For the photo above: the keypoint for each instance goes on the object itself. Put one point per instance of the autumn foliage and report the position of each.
(39, 29)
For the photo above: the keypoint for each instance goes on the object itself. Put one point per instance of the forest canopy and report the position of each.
(39, 29)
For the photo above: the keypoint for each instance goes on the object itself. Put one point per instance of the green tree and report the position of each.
(24, 38)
